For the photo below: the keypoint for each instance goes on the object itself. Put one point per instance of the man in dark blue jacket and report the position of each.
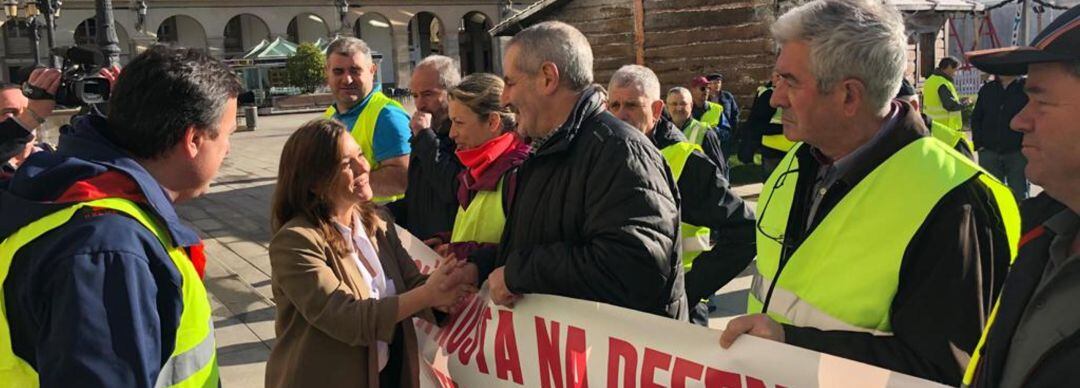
(97, 300)
(998, 145)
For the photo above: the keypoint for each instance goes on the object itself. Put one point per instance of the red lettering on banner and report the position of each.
(715, 378)
(444, 380)
(685, 369)
(477, 343)
(547, 352)
(444, 334)
(621, 352)
(754, 383)
(463, 329)
(653, 360)
(507, 361)
(577, 361)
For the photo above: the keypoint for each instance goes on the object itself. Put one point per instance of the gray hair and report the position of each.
(558, 43)
(861, 39)
(349, 46)
(680, 90)
(639, 77)
(445, 67)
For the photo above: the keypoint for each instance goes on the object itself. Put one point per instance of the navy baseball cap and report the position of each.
(1059, 42)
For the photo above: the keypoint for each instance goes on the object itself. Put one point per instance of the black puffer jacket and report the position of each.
(708, 201)
(596, 217)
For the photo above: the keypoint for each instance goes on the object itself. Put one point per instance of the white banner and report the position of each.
(552, 341)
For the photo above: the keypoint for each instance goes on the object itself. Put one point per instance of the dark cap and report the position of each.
(906, 90)
(698, 82)
(715, 77)
(1059, 42)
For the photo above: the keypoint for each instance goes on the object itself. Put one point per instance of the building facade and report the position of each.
(403, 31)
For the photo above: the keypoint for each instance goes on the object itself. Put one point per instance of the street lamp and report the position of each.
(343, 11)
(11, 9)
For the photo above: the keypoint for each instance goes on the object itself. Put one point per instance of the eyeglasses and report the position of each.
(780, 181)
(785, 247)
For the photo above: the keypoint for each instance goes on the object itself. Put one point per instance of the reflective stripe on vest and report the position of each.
(363, 131)
(845, 274)
(483, 220)
(694, 131)
(711, 117)
(695, 239)
(932, 102)
(951, 137)
(193, 362)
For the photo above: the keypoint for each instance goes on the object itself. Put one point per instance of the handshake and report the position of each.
(452, 282)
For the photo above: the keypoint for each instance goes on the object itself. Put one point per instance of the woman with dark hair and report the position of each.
(491, 151)
(345, 287)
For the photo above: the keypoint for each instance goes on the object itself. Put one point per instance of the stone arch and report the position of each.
(426, 32)
(242, 32)
(376, 30)
(182, 30)
(307, 27)
(85, 34)
(475, 43)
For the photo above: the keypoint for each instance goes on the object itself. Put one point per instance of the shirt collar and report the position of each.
(1064, 223)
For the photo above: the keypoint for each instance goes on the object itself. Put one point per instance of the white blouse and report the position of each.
(377, 282)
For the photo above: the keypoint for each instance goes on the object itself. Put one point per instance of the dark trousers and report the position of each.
(1007, 167)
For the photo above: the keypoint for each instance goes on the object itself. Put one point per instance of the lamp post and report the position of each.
(106, 32)
(343, 11)
(50, 10)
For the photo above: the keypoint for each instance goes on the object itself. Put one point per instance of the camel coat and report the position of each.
(327, 324)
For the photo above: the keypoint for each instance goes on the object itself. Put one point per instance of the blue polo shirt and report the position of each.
(391, 129)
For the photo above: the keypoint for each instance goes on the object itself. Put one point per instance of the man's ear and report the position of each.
(657, 109)
(549, 78)
(191, 141)
(854, 96)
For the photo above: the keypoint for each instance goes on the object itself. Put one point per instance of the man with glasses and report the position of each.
(875, 241)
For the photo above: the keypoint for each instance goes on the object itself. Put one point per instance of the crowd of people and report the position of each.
(877, 237)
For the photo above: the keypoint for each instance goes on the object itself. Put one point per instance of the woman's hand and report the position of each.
(449, 283)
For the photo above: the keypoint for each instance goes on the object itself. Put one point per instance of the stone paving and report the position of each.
(234, 221)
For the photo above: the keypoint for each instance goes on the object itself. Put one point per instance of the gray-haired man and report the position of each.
(717, 226)
(596, 214)
(875, 241)
(431, 203)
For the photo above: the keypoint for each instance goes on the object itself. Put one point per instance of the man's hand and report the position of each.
(757, 325)
(500, 294)
(111, 74)
(37, 111)
(420, 121)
